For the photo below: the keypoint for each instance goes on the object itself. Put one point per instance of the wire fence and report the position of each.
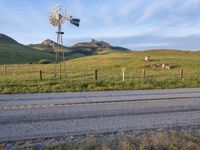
(40, 73)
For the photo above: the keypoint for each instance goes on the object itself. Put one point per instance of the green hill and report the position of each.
(82, 49)
(11, 52)
(85, 48)
(4, 39)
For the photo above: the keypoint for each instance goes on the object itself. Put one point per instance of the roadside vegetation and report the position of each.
(81, 73)
(171, 140)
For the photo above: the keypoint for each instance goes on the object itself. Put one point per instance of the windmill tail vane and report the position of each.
(74, 21)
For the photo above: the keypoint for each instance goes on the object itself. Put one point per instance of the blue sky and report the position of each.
(135, 24)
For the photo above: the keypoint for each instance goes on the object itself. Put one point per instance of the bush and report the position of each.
(43, 61)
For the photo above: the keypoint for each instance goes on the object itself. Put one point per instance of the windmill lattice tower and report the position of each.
(57, 18)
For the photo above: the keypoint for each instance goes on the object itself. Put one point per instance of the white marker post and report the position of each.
(123, 74)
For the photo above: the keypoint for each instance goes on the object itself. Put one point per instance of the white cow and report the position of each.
(147, 58)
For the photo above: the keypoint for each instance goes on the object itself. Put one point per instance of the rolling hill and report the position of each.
(4, 39)
(12, 52)
(85, 48)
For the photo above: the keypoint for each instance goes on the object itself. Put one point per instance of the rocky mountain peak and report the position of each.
(93, 44)
(101, 44)
(49, 42)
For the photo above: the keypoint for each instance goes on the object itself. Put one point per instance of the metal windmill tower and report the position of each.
(57, 18)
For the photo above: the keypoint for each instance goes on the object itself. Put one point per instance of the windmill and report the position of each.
(57, 18)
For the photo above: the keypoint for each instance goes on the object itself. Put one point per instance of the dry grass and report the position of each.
(182, 140)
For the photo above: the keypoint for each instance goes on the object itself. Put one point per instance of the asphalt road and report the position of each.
(30, 116)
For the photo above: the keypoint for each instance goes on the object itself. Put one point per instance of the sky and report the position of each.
(134, 24)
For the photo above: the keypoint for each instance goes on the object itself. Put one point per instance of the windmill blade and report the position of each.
(54, 22)
(56, 12)
(59, 15)
(51, 19)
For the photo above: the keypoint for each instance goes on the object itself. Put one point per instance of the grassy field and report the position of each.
(80, 73)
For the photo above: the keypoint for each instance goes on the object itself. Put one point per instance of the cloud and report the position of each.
(131, 23)
(146, 42)
(128, 7)
(144, 24)
(155, 8)
(191, 4)
(105, 14)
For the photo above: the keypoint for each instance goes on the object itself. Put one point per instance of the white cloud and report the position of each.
(106, 14)
(191, 4)
(128, 7)
(151, 11)
(155, 8)
(181, 31)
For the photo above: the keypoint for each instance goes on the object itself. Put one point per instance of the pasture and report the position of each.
(81, 73)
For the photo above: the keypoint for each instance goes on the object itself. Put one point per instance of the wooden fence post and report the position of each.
(41, 75)
(123, 74)
(5, 70)
(96, 75)
(181, 73)
(143, 74)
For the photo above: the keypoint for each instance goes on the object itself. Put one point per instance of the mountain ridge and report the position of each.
(49, 42)
(95, 47)
(86, 48)
(13, 52)
(4, 39)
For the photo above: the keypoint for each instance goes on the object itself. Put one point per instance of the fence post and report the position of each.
(96, 75)
(143, 74)
(5, 71)
(181, 73)
(41, 75)
(123, 74)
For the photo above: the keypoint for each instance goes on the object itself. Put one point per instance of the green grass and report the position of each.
(80, 73)
(12, 53)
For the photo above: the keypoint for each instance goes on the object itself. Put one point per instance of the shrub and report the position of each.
(43, 61)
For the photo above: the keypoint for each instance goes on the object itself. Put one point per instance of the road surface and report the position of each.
(31, 116)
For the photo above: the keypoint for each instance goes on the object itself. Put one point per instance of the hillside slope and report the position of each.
(48, 46)
(81, 73)
(12, 52)
(85, 48)
(82, 49)
(4, 39)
